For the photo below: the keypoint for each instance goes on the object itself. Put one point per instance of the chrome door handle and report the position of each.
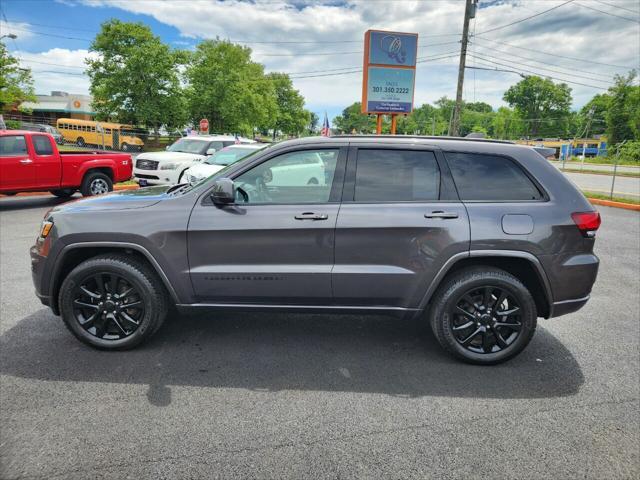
(312, 216)
(26, 160)
(441, 214)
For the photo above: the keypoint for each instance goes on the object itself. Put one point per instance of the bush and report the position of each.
(13, 124)
(630, 152)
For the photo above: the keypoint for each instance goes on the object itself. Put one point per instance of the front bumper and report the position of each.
(37, 271)
(153, 177)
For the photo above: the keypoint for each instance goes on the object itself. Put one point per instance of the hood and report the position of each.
(204, 169)
(170, 156)
(122, 200)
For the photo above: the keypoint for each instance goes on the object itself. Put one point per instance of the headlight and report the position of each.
(168, 166)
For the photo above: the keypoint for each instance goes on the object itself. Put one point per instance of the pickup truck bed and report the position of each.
(31, 161)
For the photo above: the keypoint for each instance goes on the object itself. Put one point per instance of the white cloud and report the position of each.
(19, 29)
(57, 69)
(571, 31)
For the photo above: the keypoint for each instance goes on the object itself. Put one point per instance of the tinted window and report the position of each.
(289, 178)
(13, 145)
(396, 176)
(42, 145)
(487, 177)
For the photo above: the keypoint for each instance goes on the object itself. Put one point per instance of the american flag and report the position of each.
(326, 130)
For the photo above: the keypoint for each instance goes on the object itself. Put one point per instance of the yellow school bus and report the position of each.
(88, 132)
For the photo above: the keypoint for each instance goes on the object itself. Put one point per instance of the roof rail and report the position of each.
(428, 137)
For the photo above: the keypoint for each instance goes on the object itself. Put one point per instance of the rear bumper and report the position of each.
(571, 277)
(568, 306)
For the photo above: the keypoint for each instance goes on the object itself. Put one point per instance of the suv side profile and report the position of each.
(478, 237)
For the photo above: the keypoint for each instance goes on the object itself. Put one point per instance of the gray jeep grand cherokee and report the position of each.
(479, 237)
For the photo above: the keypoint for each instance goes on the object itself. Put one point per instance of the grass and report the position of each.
(602, 196)
(600, 172)
(606, 161)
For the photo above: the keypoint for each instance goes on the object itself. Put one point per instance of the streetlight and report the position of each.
(12, 36)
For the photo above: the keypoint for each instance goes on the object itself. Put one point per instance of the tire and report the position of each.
(10, 194)
(63, 193)
(514, 331)
(95, 183)
(104, 332)
(124, 147)
(80, 142)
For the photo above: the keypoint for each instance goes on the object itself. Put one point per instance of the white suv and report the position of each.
(167, 168)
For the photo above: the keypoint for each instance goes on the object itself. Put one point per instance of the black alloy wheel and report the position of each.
(113, 301)
(108, 306)
(486, 320)
(483, 315)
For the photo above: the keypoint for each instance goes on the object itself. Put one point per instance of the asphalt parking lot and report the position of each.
(308, 396)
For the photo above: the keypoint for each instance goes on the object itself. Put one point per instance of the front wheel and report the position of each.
(113, 302)
(96, 183)
(483, 316)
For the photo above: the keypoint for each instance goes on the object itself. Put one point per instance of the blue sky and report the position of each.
(573, 42)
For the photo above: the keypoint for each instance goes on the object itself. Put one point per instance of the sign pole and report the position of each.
(379, 124)
(394, 123)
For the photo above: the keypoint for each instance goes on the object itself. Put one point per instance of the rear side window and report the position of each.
(396, 176)
(490, 178)
(13, 145)
(42, 145)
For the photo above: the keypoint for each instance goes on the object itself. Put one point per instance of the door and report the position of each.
(276, 244)
(399, 222)
(47, 162)
(17, 169)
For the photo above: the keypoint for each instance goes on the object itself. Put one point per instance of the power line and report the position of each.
(548, 69)
(525, 18)
(608, 13)
(543, 62)
(539, 74)
(617, 6)
(556, 54)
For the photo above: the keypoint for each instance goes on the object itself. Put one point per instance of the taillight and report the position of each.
(587, 222)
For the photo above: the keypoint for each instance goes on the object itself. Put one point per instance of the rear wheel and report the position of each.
(124, 147)
(63, 193)
(113, 302)
(96, 183)
(483, 316)
(80, 142)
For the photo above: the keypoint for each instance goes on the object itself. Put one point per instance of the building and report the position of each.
(48, 108)
(590, 147)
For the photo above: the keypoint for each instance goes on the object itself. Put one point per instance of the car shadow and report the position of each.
(273, 352)
(25, 203)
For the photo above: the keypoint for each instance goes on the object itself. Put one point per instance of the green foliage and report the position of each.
(623, 113)
(135, 79)
(13, 124)
(230, 90)
(353, 120)
(290, 117)
(545, 105)
(630, 152)
(16, 83)
(314, 121)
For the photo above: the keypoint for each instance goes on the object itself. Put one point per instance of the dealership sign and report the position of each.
(389, 72)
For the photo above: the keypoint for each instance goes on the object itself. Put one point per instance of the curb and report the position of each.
(116, 188)
(611, 203)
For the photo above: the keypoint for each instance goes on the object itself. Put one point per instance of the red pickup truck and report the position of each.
(30, 161)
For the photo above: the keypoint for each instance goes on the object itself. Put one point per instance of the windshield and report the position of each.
(230, 155)
(221, 173)
(186, 145)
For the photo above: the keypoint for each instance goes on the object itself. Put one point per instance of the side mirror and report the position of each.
(224, 192)
(211, 151)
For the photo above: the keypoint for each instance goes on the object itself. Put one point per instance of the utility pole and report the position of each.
(469, 13)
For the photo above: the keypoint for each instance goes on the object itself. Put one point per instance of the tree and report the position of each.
(16, 83)
(543, 104)
(506, 124)
(353, 120)
(624, 110)
(290, 116)
(230, 90)
(314, 120)
(599, 106)
(135, 78)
